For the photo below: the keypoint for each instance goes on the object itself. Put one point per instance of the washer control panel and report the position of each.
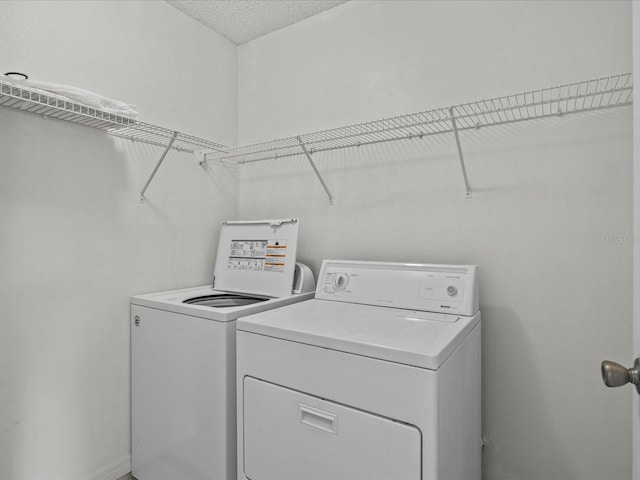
(424, 287)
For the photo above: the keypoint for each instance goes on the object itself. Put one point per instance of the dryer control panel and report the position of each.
(425, 287)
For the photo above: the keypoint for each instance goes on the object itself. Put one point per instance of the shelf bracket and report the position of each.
(315, 169)
(464, 169)
(201, 157)
(164, 154)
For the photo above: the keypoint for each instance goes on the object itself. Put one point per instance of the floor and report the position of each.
(126, 477)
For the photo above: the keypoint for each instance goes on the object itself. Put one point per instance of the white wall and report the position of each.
(550, 218)
(75, 242)
(549, 222)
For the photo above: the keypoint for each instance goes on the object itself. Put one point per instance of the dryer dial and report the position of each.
(340, 281)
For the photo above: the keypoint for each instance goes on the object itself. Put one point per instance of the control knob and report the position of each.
(340, 281)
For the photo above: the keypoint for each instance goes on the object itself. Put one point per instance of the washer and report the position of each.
(183, 405)
(377, 377)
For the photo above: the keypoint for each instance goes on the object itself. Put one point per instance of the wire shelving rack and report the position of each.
(51, 105)
(55, 106)
(589, 95)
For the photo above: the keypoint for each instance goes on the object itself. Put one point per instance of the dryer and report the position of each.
(377, 377)
(183, 352)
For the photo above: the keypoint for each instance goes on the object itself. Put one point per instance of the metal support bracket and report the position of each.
(201, 157)
(315, 169)
(464, 170)
(153, 173)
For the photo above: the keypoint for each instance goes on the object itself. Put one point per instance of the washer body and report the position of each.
(183, 400)
(369, 380)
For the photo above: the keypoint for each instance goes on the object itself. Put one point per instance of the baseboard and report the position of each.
(112, 470)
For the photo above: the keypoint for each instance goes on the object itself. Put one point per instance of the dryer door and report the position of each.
(289, 435)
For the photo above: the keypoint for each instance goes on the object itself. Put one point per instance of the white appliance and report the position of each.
(183, 352)
(377, 377)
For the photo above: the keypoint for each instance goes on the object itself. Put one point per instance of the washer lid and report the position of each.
(257, 257)
(410, 337)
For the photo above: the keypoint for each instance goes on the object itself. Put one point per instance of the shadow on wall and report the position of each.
(511, 378)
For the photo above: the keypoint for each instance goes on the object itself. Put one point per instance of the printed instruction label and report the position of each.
(258, 255)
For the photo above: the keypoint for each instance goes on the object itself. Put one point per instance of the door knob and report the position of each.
(615, 375)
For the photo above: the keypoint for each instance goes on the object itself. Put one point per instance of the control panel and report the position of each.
(424, 287)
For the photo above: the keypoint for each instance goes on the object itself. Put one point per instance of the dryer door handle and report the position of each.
(316, 418)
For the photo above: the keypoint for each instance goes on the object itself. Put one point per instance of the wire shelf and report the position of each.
(147, 133)
(50, 105)
(590, 95)
(607, 92)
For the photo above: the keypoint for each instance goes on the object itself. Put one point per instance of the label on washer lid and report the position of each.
(258, 255)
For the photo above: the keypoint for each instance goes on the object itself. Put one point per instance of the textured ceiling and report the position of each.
(244, 20)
